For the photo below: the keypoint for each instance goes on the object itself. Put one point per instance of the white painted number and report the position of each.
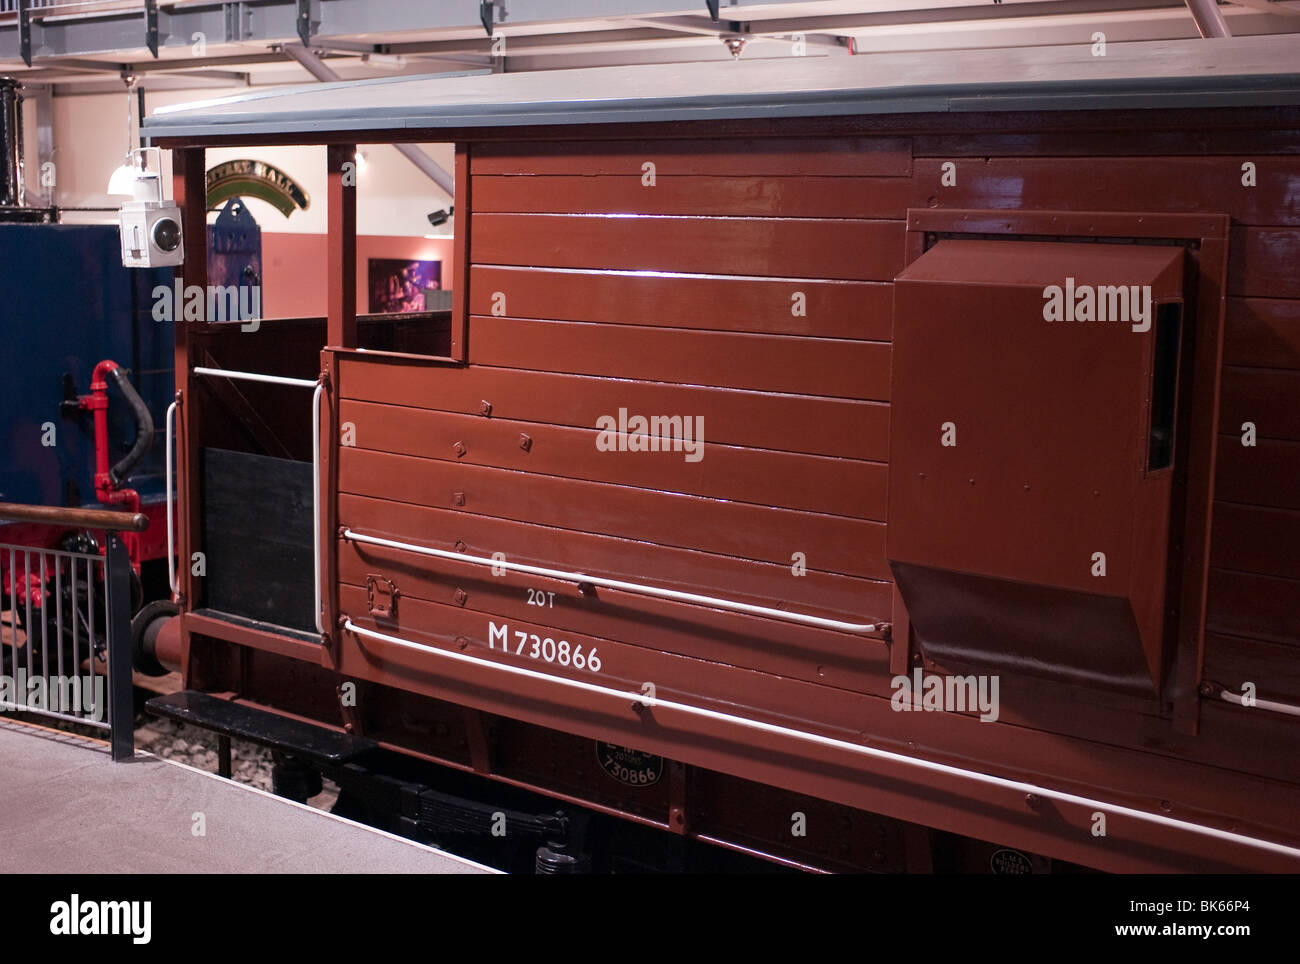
(540, 597)
(547, 650)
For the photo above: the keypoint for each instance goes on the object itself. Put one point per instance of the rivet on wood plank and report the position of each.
(458, 498)
(485, 408)
(459, 449)
(525, 442)
(460, 546)
(460, 595)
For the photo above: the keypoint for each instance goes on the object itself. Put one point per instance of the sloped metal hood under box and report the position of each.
(1032, 423)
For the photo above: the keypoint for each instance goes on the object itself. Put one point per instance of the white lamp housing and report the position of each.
(150, 227)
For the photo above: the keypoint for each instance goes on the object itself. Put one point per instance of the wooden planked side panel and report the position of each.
(762, 643)
(1257, 540)
(1143, 144)
(846, 250)
(1262, 262)
(853, 156)
(830, 543)
(1268, 397)
(783, 197)
(816, 484)
(688, 570)
(1262, 474)
(1192, 185)
(1262, 333)
(771, 363)
(817, 426)
(1274, 668)
(836, 309)
(1258, 607)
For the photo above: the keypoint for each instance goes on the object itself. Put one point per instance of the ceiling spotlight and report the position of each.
(734, 45)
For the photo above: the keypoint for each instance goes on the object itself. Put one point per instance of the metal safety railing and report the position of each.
(11, 6)
(319, 393)
(65, 621)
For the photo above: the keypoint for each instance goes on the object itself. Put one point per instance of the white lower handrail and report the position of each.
(687, 597)
(929, 766)
(173, 577)
(1271, 706)
(315, 496)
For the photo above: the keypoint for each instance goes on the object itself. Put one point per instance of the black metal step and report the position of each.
(278, 732)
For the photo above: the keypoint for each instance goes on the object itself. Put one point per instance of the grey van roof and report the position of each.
(1238, 71)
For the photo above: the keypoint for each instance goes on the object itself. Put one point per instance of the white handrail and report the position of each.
(869, 751)
(256, 377)
(173, 577)
(315, 496)
(1270, 705)
(565, 576)
(315, 457)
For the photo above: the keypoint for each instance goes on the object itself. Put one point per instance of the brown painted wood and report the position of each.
(1073, 137)
(341, 258)
(773, 363)
(328, 507)
(1262, 262)
(264, 640)
(844, 250)
(823, 771)
(1258, 607)
(764, 584)
(1263, 474)
(730, 220)
(1171, 184)
(768, 645)
(817, 484)
(1262, 333)
(832, 309)
(1193, 491)
(818, 426)
(1268, 397)
(698, 195)
(1273, 667)
(1055, 224)
(768, 156)
(1253, 539)
(1256, 540)
(461, 227)
(831, 543)
(189, 189)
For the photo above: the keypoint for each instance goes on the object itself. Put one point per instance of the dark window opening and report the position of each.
(1164, 386)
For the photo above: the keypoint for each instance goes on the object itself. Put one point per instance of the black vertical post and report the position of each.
(121, 699)
(223, 756)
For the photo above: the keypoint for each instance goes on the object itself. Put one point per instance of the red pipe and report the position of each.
(105, 491)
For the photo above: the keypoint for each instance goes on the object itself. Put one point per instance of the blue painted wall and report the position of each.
(66, 303)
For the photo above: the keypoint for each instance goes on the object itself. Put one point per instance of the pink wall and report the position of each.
(293, 269)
